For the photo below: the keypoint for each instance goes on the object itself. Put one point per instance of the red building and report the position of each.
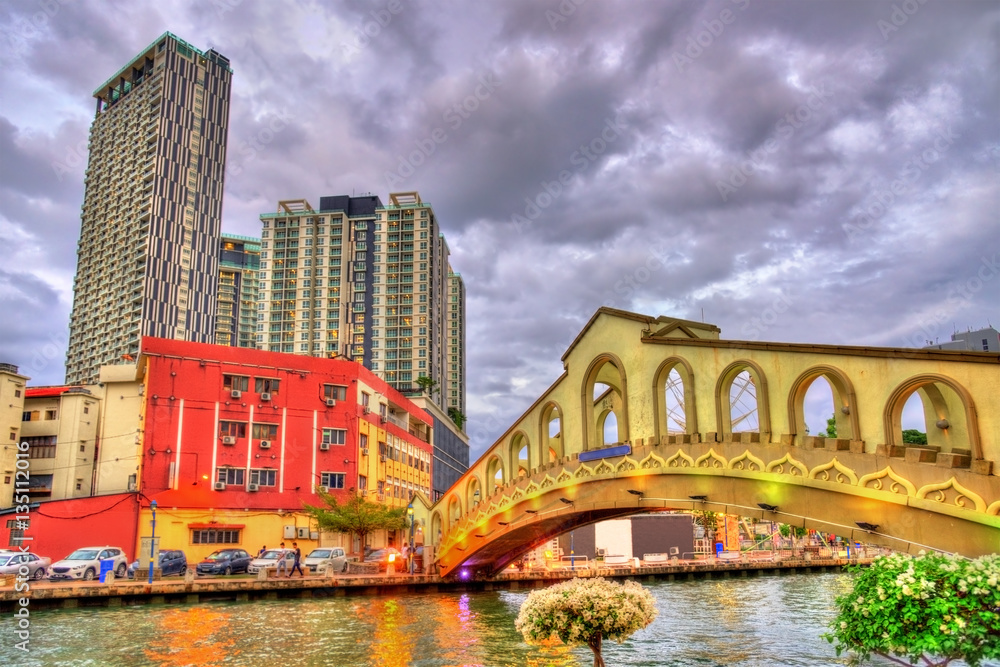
(236, 440)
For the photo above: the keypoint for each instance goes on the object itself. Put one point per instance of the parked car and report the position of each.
(85, 563)
(172, 561)
(11, 562)
(224, 561)
(270, 560)
(320, 558)
(381, 556)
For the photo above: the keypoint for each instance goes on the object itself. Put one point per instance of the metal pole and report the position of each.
(409, 511)
(572, 553)
(152, 540)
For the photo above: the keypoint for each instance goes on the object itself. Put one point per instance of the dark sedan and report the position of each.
(225, 561)
(383, 556)
(172, 561)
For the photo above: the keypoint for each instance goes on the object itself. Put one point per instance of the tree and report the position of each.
(426, 383)
(912, 436)
(585, 611)
(356, 516)
(933, 609)
(831, 427)
(457, 417)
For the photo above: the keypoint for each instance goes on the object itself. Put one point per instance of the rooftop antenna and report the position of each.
(702, 315)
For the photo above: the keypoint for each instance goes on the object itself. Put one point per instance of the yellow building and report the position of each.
(12, 388)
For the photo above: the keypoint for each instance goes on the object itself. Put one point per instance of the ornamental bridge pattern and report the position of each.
(670, 386)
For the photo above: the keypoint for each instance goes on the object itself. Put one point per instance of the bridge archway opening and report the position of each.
(473, 492)
(520, 456)
(674, 398)
(437, 526)
(741, 399)
(551, 440)
(608, 428)
(743, 415)
(818, 393)
(604, 389)
(494, 475)
(818, 409)
(454, 510)
(937, 407)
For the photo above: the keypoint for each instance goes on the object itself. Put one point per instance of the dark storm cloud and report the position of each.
(770, 156)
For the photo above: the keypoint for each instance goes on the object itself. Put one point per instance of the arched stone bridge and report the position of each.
(705, 423)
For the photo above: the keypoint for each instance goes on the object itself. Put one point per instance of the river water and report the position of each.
(752, 622)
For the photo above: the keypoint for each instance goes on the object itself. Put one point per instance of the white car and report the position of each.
(85, 563)
(323, 556)
(270, 560)
(25, 564)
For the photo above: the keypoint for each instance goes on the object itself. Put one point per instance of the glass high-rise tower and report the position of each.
(148, 256)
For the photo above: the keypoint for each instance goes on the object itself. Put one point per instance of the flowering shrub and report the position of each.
(932, 608)
(583, 611)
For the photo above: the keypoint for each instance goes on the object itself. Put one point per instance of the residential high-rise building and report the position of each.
(316, 278)
(239, 289)
(148, 256)
(454, 396)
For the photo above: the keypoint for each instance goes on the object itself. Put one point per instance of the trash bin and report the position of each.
(107, 565)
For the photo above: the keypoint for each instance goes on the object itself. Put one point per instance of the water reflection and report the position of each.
(751, 622)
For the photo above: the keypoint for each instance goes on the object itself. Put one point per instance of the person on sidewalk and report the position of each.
(282, 562)
(298, 561)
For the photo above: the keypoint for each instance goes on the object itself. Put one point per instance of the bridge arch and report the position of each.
(723, 414)
(606, 368)
(455, 510)
(474, 493)
(494, 470)
(845, 405)
(686, 372)
(437, 527)
(550, 447)
(949, 413)
(519, 455)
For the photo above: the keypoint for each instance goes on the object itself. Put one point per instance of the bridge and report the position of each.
(654, 413)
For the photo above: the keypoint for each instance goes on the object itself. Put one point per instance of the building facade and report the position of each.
(454, 395)
(148, 255)
(239, 291)
(235, 441)
(981, 340)
(12, 390)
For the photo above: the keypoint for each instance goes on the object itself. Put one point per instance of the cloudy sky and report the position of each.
(838, 162)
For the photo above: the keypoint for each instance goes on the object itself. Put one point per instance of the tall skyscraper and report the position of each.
(454, 397)
(239, 289)
(148, 256)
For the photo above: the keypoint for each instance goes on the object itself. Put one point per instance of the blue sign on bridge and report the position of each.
(606, 453)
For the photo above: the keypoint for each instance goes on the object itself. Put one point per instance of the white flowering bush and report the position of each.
(933, 609)
(585, 611)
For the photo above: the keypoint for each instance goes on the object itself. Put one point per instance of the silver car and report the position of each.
(26, 564)
(86, 563)
(323, 556)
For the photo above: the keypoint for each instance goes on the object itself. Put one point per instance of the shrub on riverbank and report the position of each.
(933, 609)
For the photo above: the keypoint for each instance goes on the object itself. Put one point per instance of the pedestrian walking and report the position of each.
(282, 561)
(260, 554)
(298, 561)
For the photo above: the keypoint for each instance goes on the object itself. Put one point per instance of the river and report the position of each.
(746, 622)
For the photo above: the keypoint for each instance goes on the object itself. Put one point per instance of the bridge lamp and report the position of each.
(700, 499)
(769, 508)
(635, 493)
(503, 523)
(567, 501)
(480, 536)
(531, 511)
(864, 525)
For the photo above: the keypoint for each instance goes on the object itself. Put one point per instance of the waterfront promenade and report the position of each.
(193, 590)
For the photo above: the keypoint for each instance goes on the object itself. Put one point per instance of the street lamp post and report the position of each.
(152, 540)
(409, 513)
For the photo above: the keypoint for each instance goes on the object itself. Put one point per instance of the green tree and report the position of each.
(912, 436)
(457, 417)
(831, 427)
(426, 383)
(933, 609)
(356, 516)
(586, 611)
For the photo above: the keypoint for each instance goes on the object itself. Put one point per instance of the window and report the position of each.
(334, 436)
(365, 399)
(230, 476)
(41, 446)
(17, 393)
(364, 441)
(332, 480)
(266, 385)
(50, 415)
(215, 535)
(234, 429)
(17, 529)
(265, 431)
(335, 391)
(235, 382)
(263, 477)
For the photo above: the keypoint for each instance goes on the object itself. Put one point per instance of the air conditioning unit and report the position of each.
(330, 402)
(236, 393)
(265, 444)
(253, 487)
(382, 419)
(364, 451)
(266, 396)
(323, 489)
(228, 440)
(324, 446)
(382, 458)
(367, 410)
(220, 486)
(303, 533)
